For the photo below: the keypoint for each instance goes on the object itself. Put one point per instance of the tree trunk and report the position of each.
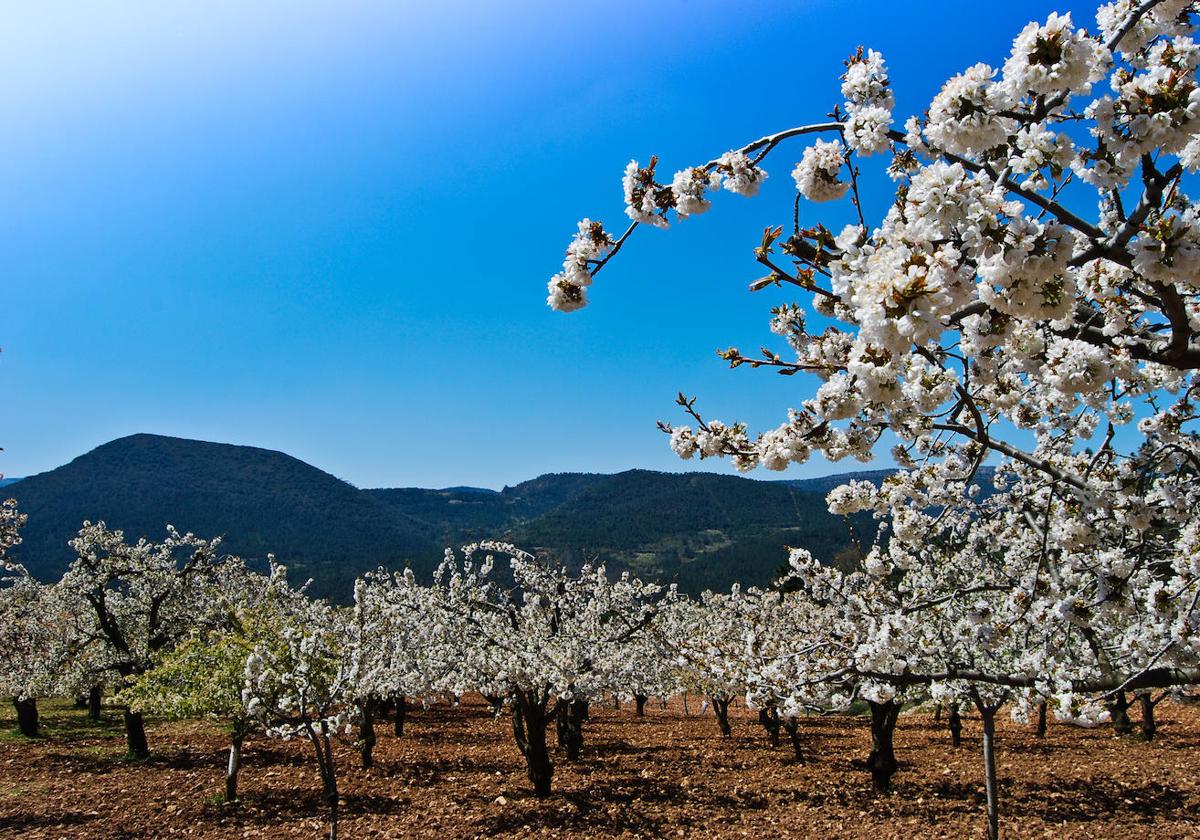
(366, 731)
(792, 725)
(721, 710)
(324, 751)
(496, 702)
(955, 725)
(769, 718)
(686, 712)
(988, 714)
(401, 704)
(937, 713)
(1041, 720)
(135, 735)
(882, 759)
(640, 700)
(27, 717)
(1118, 708)
(235, 763)
(1149, 727)
(569, 717)
(616, 701)
(329, 782)
(93, 704)
(529, 729)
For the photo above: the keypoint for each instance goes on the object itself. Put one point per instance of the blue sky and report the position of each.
(326, 228)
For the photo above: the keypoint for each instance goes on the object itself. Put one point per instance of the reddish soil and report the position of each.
(456, 773)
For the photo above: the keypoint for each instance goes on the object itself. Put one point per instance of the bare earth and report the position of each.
(456, 773)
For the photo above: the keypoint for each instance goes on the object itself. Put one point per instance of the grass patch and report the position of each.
(59, 719)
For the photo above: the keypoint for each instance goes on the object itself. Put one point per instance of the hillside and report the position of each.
(261, 501)
(697, 529)
(467, 513)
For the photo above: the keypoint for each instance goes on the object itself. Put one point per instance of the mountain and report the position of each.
(4, 482)
(699, 530)
(260, 501)
(467, 513)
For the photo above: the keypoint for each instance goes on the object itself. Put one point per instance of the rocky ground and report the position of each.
(456, 773)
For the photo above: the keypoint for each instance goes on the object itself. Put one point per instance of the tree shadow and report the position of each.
(20, 823)
(424, 771)
(272, 807)
(1079, 800)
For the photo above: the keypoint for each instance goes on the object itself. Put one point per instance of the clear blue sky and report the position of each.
(326, 227)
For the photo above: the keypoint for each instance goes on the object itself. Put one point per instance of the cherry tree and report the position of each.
(205, 674)
(132, 602)
(32, 627)
(786, 651)
(299, 682)
(983, 317)
(23, 636)
(708, 638)
(551, 636)
(647, 668)
(403, 646)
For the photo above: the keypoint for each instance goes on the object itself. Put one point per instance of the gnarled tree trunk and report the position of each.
(640, 701)
(529, 729)
(366, 731)
(721, 710)
(769, 718)
(27, 717)
(1118, 709)
(1041, 719)
(882, 759)
(135, 735)
(569, 717)
(93, 703)
(955, 726)
(1148, 724)
(792, 725)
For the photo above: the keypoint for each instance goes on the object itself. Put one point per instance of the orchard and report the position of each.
(1019, 332)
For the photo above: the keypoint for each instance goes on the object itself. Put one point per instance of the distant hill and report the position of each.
(261, 501)
(468, 513)
(700, 530)
(4, 482)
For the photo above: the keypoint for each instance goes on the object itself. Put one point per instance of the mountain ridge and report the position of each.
(696, 529)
